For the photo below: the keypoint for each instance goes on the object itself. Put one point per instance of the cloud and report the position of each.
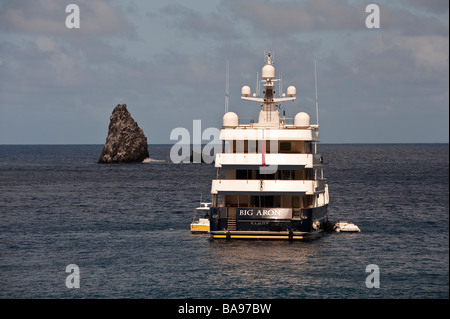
(434, 6)
(429, 52)
(411, 22)
(405, 59)
(195, 24)
(280, 18)
(49, 55)
(390, 78)
(48, 16)
(289, 18)
(174, 71)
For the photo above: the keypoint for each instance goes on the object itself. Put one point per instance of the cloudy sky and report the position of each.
(166, 60)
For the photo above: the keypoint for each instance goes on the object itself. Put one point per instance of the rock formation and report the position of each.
(126, 142)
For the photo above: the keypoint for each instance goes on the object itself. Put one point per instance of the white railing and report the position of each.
(229, 186)
(255, 159)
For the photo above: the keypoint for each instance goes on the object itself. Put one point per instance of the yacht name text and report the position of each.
(260, 212)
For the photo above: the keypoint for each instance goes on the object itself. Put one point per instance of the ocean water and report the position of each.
(127, 228)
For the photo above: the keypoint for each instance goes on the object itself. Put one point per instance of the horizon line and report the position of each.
(171, 144)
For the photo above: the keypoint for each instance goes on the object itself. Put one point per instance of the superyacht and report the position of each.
(270, 182)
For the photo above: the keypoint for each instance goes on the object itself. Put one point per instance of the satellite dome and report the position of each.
(230, 119)
(268, 72)
(302, 120)
(291, 91)
(245, 91)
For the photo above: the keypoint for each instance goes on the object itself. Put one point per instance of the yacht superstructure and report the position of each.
(269, 182)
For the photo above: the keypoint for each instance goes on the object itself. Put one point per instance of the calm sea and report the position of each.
(127, 228)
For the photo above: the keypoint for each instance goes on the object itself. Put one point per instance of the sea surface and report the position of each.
(126, 227)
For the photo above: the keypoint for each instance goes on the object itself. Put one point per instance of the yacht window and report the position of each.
(285, 146)
(308, 148)
(252, 146)
(241, 174)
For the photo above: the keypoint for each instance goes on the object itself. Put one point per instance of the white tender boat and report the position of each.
(201, 225)
(346, 227)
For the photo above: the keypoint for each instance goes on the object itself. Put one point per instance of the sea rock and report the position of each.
(126, 142)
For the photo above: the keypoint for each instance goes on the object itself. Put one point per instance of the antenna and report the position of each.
(317, 101)
(280, 85)
(257, 84)
(227, 86)
(272, 55)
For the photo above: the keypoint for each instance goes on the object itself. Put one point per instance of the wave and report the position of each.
(152, 160)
